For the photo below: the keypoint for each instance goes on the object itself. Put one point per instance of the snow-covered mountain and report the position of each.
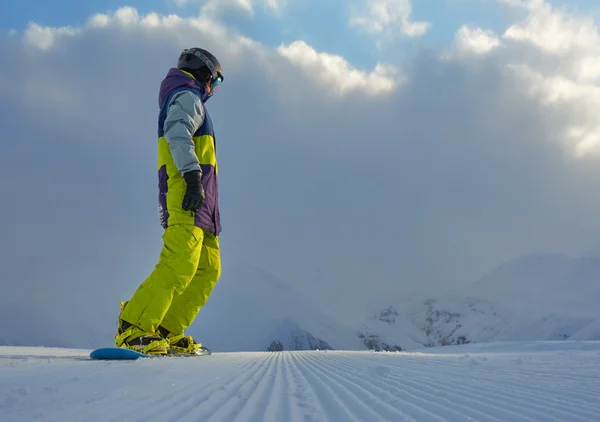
(447, 320)
(534, 297)
(252, 310)
(288, 335)
(391, 329)
(457, 320)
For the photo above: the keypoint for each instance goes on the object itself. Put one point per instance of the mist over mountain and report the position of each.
(250, 309)
(533, 297)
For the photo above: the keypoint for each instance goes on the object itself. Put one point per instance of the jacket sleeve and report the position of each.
(185, 115)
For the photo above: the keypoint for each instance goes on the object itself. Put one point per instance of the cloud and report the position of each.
(387, 16)
(353, 185)
(44, 37)
(554, 56)
(476, 40)
(557, 56)
(335, 71)
(577, 100)
(215, 7)
(553, 30)
(337, 75)
(219, 7)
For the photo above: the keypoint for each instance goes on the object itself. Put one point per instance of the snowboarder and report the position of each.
(154, 319)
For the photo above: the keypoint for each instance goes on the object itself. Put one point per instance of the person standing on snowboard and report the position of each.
(153, 321)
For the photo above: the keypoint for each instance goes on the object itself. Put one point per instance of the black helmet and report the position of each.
(194, 60)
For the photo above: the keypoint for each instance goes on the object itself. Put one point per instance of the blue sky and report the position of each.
(352, 185)
(302, 17)
(323, 25)
(17, 15)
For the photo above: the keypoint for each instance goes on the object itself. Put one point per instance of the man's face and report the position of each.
(208, 87)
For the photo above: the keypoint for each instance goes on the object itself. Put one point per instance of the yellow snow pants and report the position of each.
(188, 268)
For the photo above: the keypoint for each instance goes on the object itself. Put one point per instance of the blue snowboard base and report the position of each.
(120, 353)
(116, 353)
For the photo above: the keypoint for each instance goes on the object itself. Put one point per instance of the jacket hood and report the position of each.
(178, 79)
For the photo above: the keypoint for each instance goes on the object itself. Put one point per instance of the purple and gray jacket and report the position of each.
(182, 112)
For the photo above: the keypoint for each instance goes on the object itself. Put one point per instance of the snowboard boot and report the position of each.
(131, 337)
(182, 344)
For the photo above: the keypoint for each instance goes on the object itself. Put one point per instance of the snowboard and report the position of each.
(120, 353)
(116, 353)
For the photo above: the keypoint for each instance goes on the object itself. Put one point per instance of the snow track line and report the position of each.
(339, 396)
(298, 388)
(454, 393)
(254, 405)
(194, 398)
(437, 398)
(376, 399)
(457, 361)
(417, 374)
(414, 397)
(305, 393)
(259, 400)
(303, 386)
(226, 398)
(514, 392)
(274, 400)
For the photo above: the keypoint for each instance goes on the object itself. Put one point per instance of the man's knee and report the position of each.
(213, 269)
(211, 258)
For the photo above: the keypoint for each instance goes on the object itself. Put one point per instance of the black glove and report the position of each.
(194, 195)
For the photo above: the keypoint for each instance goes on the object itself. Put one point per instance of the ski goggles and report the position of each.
(216, 82)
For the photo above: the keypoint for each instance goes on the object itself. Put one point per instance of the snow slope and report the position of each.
(512, 382)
